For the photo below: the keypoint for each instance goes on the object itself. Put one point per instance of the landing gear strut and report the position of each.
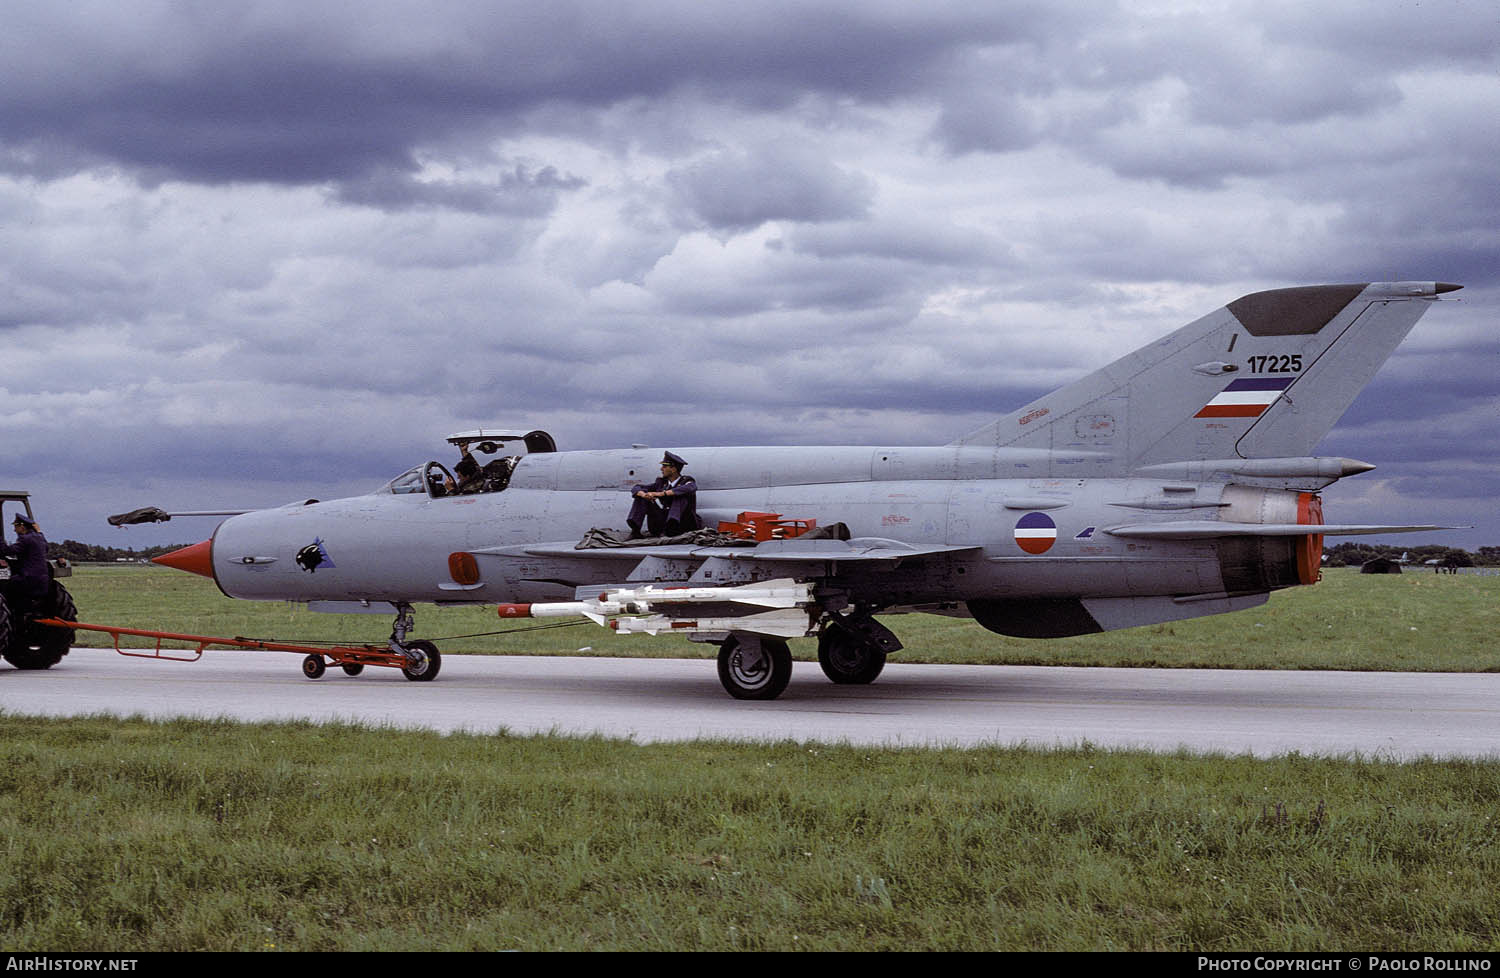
(422, 658)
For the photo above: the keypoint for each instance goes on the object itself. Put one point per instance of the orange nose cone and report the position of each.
(197, 559)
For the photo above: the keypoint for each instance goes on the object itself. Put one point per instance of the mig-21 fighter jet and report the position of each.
(1176, 482)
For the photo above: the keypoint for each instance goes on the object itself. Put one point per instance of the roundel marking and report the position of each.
(1035, 533)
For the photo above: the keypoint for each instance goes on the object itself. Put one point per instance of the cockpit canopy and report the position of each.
(489, 440)
(435, 480)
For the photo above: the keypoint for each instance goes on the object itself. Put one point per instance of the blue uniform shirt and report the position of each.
(27, 556)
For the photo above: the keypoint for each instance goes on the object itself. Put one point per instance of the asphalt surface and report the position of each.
(1388, 715)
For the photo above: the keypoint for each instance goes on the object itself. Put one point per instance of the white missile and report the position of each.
(782, 594)
(787, 623)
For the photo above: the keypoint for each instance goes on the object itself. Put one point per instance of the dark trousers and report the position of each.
(651, 513)
(25, 596)
(657, 518)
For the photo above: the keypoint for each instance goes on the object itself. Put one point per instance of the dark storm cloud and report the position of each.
(517, 193)
(296, 94)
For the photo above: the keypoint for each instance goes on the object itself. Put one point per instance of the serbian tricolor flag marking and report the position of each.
(1245, 398)
(1036, 533)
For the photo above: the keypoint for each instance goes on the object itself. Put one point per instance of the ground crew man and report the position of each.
(26, 591)
(668, 506)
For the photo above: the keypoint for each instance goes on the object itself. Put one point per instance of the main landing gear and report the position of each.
(851, 649)
(754, 667)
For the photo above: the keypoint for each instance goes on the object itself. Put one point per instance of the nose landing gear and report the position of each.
(421, 660)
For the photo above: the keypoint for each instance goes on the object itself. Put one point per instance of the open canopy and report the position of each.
(490, 440)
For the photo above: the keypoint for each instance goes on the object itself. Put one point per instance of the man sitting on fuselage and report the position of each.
(668, 506)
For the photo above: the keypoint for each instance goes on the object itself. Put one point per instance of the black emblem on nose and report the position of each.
(314, 555)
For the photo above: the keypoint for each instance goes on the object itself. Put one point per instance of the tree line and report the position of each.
(76, 552)
(1355, 554)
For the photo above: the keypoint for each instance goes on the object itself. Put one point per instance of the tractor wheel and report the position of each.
(5, 630)
(33, 646)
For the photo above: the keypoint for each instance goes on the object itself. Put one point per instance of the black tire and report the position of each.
(353, 668)
(313, 667)
(33, 646)
(424, 668)
(847, 658)
(4, 624)
(753, 667)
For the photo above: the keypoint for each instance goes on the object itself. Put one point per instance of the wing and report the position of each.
(559, 571)
(859, 549)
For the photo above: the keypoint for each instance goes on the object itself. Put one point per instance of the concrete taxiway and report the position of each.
(1388, 715)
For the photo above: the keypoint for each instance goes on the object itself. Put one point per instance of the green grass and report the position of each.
(202, 835)
(1417, 622)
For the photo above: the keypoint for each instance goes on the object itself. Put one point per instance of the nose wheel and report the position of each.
(422, 662)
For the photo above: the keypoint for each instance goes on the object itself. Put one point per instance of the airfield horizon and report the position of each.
(1418, 622)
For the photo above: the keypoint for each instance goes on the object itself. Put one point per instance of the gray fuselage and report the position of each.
(389, 546)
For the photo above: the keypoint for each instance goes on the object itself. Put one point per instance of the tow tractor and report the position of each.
(26, 643)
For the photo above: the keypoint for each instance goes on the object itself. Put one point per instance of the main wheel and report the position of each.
(753, 667)
(353, 668)
(423, 666)
(313, 667)
(848, 658)
(33, 646)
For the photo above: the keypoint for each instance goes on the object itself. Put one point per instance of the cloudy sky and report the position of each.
(262, 251)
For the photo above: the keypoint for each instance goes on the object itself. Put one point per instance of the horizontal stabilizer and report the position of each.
(1207, 529)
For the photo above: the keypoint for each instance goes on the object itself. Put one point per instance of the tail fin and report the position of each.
(1264, 377)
